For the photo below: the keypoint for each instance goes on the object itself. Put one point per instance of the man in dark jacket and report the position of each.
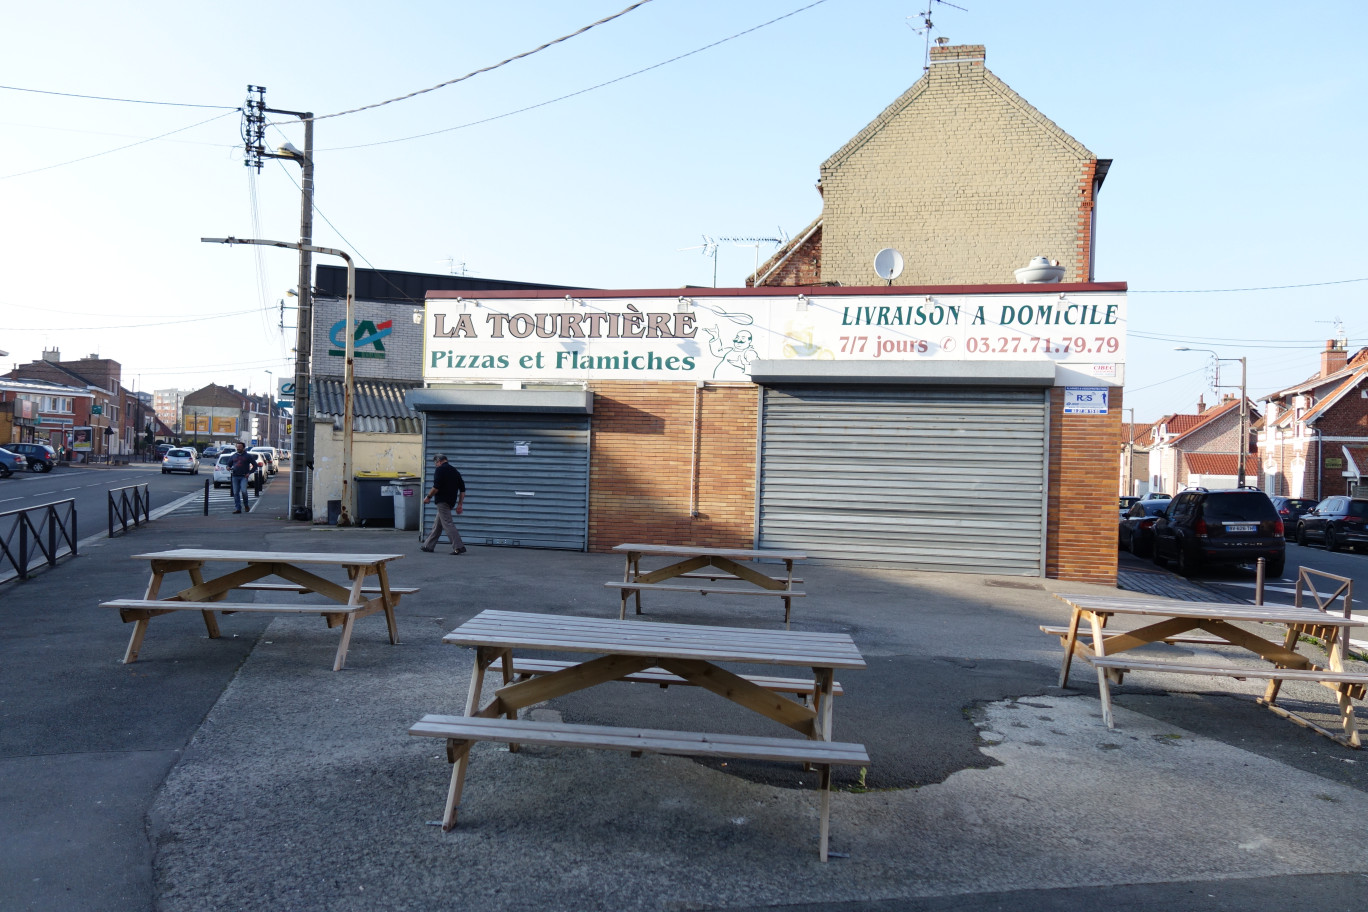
(240, 467)
(448, 491)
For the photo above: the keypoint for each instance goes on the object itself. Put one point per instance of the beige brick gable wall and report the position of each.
(964, 178)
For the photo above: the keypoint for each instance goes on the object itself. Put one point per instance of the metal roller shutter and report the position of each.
(928, 478)
(537, 500)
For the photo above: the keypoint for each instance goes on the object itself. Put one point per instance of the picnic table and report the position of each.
(1214, 624)
(712, 564)
(349, 602)
(663, 654)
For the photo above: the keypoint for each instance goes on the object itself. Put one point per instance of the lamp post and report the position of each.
(1244, 407)
(344, 518)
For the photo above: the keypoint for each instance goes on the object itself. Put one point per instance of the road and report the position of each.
(89, 486)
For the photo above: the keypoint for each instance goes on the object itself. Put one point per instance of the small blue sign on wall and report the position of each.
(1085, 400)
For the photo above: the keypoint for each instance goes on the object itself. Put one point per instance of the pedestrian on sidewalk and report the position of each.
(241, 465)
(448, 491)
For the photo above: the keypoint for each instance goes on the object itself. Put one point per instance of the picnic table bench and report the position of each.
(667, 654)
(717, 565)
(349, 602)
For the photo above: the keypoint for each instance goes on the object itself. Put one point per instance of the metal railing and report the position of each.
(129, 509)
(37, 533)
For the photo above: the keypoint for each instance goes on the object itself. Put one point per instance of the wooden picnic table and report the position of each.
(713, 564)
(349, 602)
(683, 654)
(1213, 624)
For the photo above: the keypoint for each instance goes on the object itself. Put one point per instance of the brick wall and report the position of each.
(802, 267)
(641, 465)
(965, 178)
(1080, 543)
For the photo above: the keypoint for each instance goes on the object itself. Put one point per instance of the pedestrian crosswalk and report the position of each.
(220, 502)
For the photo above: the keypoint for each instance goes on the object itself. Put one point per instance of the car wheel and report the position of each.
(163, 471)
(1301, 535)
(1331, 539)
(1159, 559)
(1187, 565)
(1274, 568)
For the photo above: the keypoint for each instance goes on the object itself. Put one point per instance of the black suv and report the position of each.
(40, 456)
(1220, 527)
(1336, 521)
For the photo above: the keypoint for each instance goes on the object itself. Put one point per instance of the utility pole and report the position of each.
(1244, 406)
(254, 129)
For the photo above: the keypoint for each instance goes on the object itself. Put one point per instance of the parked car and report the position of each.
(1136, 532)
(1336, 522)
(1157, 495)
(269, 455)
(1235, 526)
(1291, 510)
(181, 459)
(40, 456)
(1128, 502)
(210, 452)
(10, 463)
(223, 477)
(162, 449)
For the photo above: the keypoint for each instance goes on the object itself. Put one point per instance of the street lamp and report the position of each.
(349, 369)
(1244, 407)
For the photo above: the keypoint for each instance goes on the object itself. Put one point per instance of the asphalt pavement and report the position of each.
(242, 773)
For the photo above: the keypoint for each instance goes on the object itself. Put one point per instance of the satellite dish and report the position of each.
(888, 264)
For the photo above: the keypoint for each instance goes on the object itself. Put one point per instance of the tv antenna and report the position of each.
(927, 26)
(1340, 336)
(452, 264)
(709, 248)
(755, 242)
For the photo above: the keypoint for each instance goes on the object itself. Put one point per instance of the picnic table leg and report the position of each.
(825, 785)
(391, 601)
(512, 713)
(458, 752)
(210, 622)
(1103, 686)
(1069, 642)
(341, 658)
(135, 641)
(1274, 685)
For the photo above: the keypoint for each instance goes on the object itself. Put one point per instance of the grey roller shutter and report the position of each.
(537, 500)
(949, 479)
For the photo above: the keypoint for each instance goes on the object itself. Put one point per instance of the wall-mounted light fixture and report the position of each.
(802, 302)
(685, 305)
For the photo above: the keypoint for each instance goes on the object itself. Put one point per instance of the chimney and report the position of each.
(1335, 357)
(972, 54)
(52, 355)
(1201, 404)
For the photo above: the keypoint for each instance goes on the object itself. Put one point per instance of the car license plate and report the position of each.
(1241, 527)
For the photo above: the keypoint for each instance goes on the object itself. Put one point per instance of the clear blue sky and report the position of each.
(1237, 131)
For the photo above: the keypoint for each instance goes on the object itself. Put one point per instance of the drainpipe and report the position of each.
(693, 456)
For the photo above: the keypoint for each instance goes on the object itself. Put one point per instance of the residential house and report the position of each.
(1315, 439)
(1135, 459)
(36, 411)
(221, 415)
(1201, 450)
(103, 425)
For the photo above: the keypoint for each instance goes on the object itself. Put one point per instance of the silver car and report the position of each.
(10, 463)
(181, 459)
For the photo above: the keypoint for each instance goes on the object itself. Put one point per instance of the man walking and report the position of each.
(240, 467)
(448, 491)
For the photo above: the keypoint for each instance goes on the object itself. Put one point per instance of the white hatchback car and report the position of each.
(181, 459)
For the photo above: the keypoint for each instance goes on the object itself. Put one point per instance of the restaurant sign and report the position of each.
(720, 337)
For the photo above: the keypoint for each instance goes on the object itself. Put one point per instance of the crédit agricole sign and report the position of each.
(719, 338)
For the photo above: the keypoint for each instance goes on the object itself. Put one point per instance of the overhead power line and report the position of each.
(550, 101)
(119, 149)
(171, 104)
(495, 66)
(1228, 290)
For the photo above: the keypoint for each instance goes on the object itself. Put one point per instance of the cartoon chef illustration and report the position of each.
(739, 354)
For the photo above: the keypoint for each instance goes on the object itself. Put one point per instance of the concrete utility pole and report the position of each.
(254, 131)
(1244, 407)
(348, 409)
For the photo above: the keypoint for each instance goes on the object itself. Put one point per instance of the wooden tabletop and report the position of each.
(733, 553)
(1227, 611)
(284, 557)
(516, 629)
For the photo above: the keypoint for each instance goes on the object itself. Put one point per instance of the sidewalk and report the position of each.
(242, 773)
